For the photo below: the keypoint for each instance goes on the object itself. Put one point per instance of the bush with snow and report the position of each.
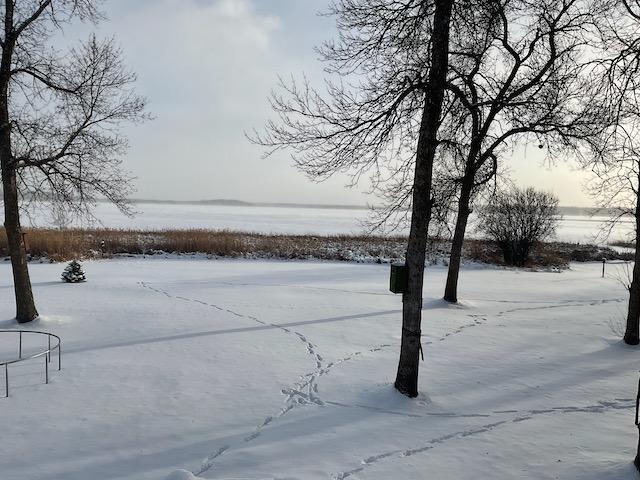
(73, 273)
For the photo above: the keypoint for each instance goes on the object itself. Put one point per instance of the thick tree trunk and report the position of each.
(632, 332)
(455, 258)
(25, 305)
(407, 376)
(636, 461)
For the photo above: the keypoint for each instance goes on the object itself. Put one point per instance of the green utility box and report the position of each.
(399, 278)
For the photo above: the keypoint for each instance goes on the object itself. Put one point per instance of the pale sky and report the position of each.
(207, 67)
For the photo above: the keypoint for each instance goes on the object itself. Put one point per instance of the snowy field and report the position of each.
(292, 220)
(284, 370)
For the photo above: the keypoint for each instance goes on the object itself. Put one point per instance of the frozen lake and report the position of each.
(291, 220)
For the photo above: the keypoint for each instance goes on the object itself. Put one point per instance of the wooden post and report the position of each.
(604, 262)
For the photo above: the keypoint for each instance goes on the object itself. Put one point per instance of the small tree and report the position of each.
(73, 273)
(517, 219)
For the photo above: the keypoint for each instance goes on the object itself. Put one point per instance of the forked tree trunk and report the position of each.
(632, 332)
(407, 376)
(25, 305)
(455, 258)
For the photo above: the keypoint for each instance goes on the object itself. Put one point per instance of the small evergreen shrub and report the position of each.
(73, 273)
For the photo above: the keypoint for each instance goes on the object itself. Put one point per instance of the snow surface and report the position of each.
(183, 369)
(293, 220)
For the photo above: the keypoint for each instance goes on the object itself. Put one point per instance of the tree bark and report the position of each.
(407, 375)
(25, 305)
(455, 257)
(636, 461)
(632, 332)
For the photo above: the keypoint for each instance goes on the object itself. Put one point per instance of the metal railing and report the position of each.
(45, 353)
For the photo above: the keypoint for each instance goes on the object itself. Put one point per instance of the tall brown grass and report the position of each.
(61, 245)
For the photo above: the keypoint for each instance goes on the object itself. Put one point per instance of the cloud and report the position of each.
(207, 68)
(189, 53)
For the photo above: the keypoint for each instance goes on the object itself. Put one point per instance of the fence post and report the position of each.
(604, 262)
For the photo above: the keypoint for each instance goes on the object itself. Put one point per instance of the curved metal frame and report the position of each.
(46, 354)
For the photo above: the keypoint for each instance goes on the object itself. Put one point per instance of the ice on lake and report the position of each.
(293, 220)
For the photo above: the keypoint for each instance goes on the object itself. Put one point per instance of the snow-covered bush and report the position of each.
(73, 273)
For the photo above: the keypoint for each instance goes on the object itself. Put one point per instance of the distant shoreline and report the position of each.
(241, 203)
(581, 211)
(564, 210)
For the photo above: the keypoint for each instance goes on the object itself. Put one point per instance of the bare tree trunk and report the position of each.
(636, 461)
(407, 376)
(455, 258)
(632, 332)
(25, 305)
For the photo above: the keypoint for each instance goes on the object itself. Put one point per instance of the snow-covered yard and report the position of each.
(284, 370)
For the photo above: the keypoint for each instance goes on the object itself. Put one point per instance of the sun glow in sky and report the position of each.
(207, 68)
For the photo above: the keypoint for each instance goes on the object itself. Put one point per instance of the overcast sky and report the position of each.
(207, 67)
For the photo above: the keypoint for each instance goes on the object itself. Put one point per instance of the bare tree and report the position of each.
(523, 82)
(407, 376)
(518, 73)
(380, 117)
(517, 219)
(616, 187)
(59, 121)
(615, 156)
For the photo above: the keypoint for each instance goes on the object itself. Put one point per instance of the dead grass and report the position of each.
(62, 245)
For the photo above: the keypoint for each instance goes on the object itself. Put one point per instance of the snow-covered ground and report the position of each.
(292, 220)
(284, 370)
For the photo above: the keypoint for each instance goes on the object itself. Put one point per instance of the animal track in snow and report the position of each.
(304, 392)
(301, 393)
(521, 416)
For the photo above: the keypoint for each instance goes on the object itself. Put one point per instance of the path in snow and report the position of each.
(303, 392)
(306, 390)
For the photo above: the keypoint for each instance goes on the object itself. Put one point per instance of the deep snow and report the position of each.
(258, 369)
